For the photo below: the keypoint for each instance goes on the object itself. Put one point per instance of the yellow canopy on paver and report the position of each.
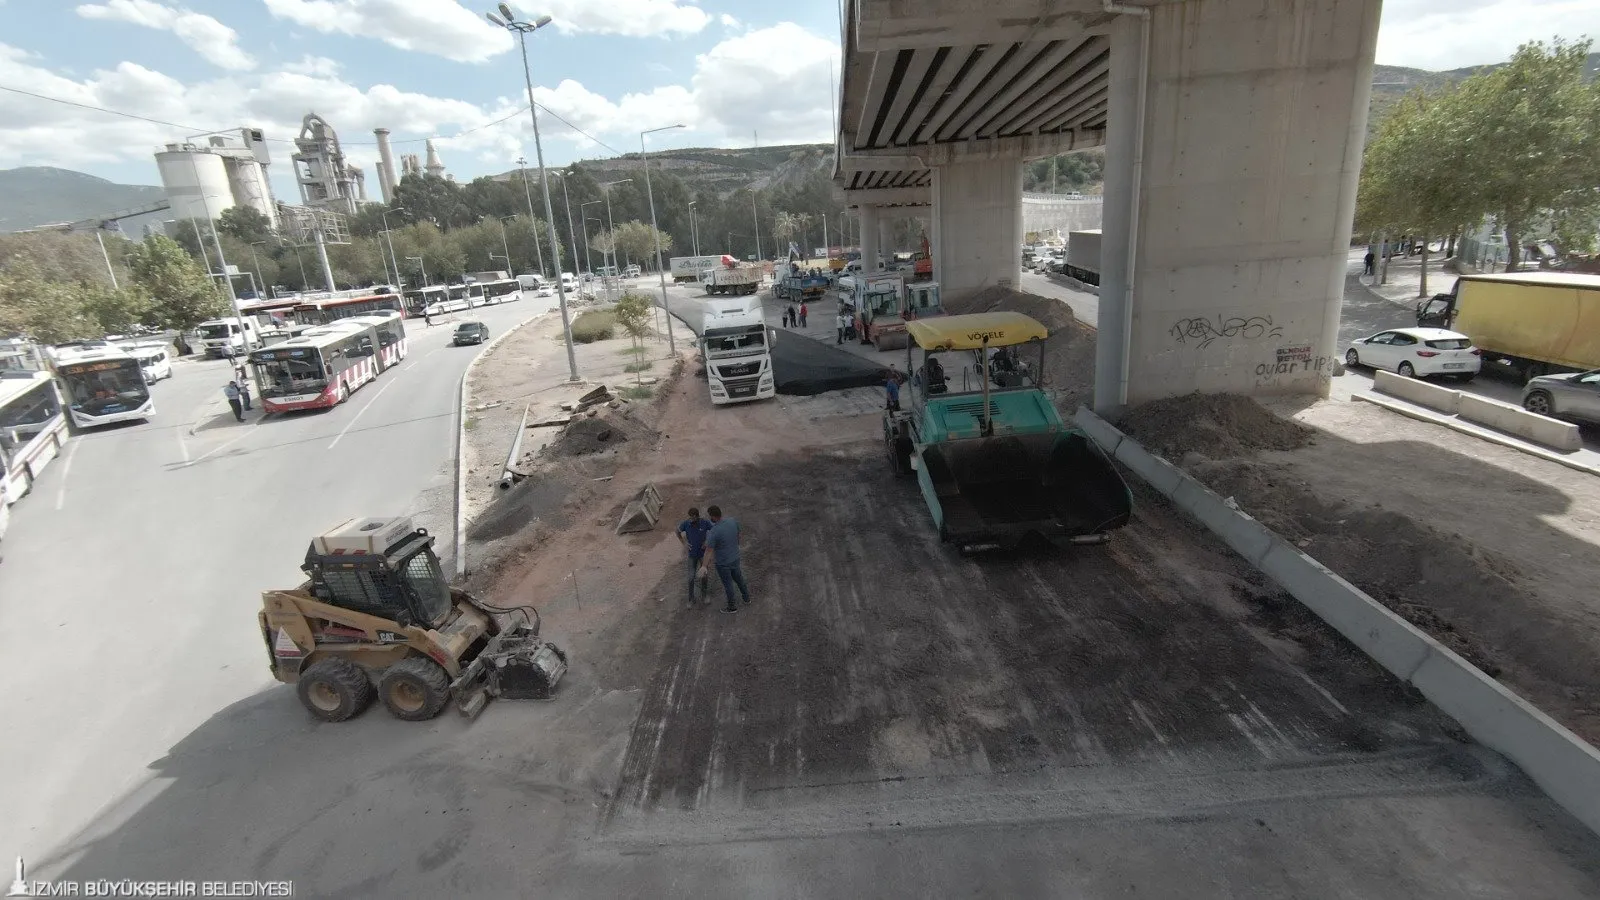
(976, 331)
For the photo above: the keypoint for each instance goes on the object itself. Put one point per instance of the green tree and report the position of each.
(41, 309)
(1531, 136)
(181, 294)
(633, 311)
(113, 310)
(245, 223)
(636, 241)
(429, 198)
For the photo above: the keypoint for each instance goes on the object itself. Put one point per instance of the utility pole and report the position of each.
(527, 189)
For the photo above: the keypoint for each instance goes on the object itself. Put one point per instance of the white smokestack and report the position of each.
(386, 179)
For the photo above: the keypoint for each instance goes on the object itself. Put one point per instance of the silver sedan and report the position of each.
(1572, 397)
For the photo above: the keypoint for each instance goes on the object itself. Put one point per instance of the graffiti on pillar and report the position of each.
(1204, 331)
(1292, 363)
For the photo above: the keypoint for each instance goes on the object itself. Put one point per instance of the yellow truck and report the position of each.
(1536, 322)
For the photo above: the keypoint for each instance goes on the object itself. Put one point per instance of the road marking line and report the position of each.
(223, 446)
(183, 445)
(66, 469)
(363, 411)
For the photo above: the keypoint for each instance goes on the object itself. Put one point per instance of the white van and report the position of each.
(156, 362)
(568, 282)
(529, 282)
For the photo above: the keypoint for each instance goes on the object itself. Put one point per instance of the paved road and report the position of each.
(131, 578)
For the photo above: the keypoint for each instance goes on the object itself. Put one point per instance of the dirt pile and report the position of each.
(1069, 356)
(586, 435)
(1218, 426)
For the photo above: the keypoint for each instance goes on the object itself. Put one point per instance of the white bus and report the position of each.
(319, 369)
(32, 430)
(103, 385)
(390, 327)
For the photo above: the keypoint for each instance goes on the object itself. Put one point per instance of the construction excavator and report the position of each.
(376, 618)
(995, 462)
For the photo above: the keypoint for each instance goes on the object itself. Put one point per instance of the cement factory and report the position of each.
(204, 180)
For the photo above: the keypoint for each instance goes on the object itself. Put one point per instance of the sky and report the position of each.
(733, 71)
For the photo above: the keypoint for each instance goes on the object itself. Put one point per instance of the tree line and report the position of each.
(1518, 145)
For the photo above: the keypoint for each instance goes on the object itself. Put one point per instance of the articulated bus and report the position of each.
(500, 290)
(419, 299)
(390, 327)
(103, 385)
(317, 370)
(32, 430)
(332, 309)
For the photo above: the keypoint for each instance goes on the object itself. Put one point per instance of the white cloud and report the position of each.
(1426, 35)
(215, 42)
(632, 18)
(440, 27)
(773, 80)
(728, 21)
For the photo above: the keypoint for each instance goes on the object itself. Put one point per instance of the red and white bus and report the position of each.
(319, 369)
(332, 309)
(390, 327)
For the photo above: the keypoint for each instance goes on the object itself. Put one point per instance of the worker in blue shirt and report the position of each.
(723, 542)
(891, 387)
(692, 535)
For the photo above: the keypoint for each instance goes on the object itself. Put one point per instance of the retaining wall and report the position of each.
(1515, 420)
(1561, 763)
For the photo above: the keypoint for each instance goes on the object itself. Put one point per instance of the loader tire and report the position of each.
(414, 689)
(334, 689)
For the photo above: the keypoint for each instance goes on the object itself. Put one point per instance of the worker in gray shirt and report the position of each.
(722, 551)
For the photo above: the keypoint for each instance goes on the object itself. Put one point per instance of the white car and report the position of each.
(1417, 353)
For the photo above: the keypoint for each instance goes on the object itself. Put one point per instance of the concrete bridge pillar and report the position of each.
(977, 225)
(871, 222)
(1226, 227)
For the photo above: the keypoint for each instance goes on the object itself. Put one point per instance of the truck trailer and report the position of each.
(1535, 322)
(688, 268)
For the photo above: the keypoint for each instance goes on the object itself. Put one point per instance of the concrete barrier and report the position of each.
(1543, 430)
(1562, 764)
(1417, 391)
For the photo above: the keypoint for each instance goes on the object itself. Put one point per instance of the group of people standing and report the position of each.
(793, 317)
(238, 392)
(713, 544)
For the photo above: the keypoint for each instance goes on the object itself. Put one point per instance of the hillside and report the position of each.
(40, 195)
(716, 170)
(1390, 83)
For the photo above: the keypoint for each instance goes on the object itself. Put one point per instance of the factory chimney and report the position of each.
(433, 165)
(386, 175)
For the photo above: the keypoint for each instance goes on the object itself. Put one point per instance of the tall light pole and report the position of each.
(756, 218)
(527, 190)
(572, 239)
(661, 271)
(694, 228)
(388, 235)
(257, 260)
(424, 275)
(588, 260)
(506, 244)
(508, 20)
(611, 224)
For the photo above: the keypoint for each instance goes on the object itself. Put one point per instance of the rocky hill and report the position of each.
(31, 196)
(723, 170)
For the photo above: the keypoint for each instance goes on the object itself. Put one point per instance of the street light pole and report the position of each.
(756, 218)
(572, 239)
(588, 259)
(661, 271)
(527, 190)
(389, 237)
(511, 23)
(424, 275)
(611, 224)
(694, 228)
(257, 260)
(506, 244)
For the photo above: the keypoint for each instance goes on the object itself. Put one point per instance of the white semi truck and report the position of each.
(738, 349)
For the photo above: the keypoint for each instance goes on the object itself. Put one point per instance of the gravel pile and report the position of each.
(1217, 426)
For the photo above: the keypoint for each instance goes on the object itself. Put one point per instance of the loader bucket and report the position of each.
(516, 664)
(999, 491)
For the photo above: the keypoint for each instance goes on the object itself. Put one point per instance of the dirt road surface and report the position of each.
(888, 718)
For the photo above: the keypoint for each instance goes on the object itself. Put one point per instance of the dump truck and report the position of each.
(729, 276)
(1536, 323)
(688, 268)
(375, 618)
(991, 455)
(804, 287)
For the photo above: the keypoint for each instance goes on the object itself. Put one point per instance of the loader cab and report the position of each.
(381, 567)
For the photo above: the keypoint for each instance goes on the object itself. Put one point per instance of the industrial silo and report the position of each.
(196, 182)
(249, 186)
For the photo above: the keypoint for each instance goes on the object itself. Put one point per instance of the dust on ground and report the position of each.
(1492, 552)
(1218, 426)
(1069, 355)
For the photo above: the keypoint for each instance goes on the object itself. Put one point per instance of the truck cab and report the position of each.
(737, 344)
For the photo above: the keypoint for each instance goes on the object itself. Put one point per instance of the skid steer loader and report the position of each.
(376, 616)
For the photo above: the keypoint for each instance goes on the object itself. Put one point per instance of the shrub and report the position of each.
(594, 325)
